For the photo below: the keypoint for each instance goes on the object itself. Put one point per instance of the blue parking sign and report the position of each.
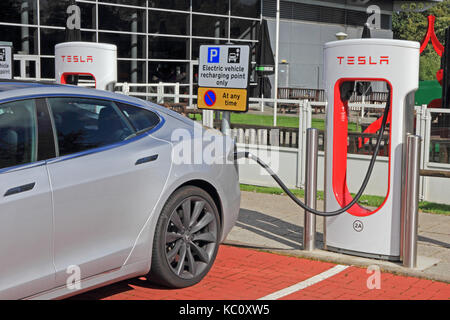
(213, 55)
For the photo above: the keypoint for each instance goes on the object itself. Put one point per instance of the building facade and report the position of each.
(158, 40)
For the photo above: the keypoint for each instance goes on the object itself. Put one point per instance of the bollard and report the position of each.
(309, 226)
(411, 202)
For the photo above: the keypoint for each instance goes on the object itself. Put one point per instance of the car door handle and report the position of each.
(146, 159)
(20, 189)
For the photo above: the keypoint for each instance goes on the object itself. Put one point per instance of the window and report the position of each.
(168, 48)
(121, 19)
(53, 13)
(210, 6)
(246, 8)
(209, 26)
(18, 11)
(170, 4)
(18, 133)
(163, 22)
(128, 46)
(141, 119)
(83, 124)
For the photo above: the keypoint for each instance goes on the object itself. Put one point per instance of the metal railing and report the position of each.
(435, 152)
(157, 92)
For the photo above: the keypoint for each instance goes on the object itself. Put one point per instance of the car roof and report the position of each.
(13, 89)
(7, 85)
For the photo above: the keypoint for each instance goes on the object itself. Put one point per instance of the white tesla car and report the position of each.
(97, 187)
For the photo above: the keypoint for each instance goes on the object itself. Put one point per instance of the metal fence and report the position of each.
(435, 150)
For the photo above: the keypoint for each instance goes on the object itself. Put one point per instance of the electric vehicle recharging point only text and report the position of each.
(361, 231)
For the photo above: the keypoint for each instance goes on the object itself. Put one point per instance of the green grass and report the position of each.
(366, 200)
(282, 121)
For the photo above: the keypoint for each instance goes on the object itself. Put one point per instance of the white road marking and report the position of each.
(305, 284)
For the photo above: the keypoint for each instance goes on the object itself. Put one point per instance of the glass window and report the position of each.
(131, 71)
(24, 39)
(209, 26)
(18, 11)
(127, 2)
(168, 22)
(18, 133)
(170, 4)
(50, 38)
(246, 8)
(168, 48)
(128, 46)
(141, 119)
(210, 6)
(121, 19)
(48, 68)
(83, 124)
(168, 72)
(53, 13)
(439, 138)
(243, 29)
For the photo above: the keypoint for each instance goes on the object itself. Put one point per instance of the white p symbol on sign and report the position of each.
(213, 55)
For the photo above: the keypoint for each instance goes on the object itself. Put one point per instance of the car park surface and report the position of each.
(245, 274)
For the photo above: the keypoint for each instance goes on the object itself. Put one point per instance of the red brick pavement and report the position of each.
(244, 274)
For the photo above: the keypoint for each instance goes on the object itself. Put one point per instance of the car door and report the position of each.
(103, 191)
(26, 226)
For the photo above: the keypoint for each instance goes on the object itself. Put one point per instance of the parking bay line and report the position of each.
(306, 283)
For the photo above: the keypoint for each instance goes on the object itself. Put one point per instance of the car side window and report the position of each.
(83, 124)
(141, 119)
(18, 133)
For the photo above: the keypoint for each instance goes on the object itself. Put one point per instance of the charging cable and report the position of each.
(248, 155)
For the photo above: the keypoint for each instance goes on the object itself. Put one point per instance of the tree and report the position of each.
(413, 26)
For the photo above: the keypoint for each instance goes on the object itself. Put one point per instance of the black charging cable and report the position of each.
(249, 155)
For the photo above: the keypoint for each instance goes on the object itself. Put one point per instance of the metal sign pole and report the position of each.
(411, 210)
(277, 52)
(309, 227)
(226, 123)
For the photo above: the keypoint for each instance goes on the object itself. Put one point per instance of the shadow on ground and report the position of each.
(280, 231)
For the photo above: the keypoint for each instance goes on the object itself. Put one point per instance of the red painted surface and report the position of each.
(340, 135)
(244, 274)
(439, 48)
(431, 35)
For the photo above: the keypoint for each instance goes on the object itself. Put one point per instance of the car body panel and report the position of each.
(26, 265)
(101, 201)
(106, 207)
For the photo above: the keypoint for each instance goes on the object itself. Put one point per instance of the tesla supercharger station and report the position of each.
(360, 231)
(97, 60)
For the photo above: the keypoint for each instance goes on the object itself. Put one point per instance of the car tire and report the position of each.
(186, 239)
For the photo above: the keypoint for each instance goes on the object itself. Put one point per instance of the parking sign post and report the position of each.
(224, 80)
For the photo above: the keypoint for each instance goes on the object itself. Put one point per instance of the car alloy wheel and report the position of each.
(186, 239)
(191, 237)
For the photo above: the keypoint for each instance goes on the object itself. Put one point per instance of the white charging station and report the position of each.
(374, 233)
(97, 60)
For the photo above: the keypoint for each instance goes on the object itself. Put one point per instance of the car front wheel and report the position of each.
(186, 239)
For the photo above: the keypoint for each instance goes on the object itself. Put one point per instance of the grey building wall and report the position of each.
(301, 45)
